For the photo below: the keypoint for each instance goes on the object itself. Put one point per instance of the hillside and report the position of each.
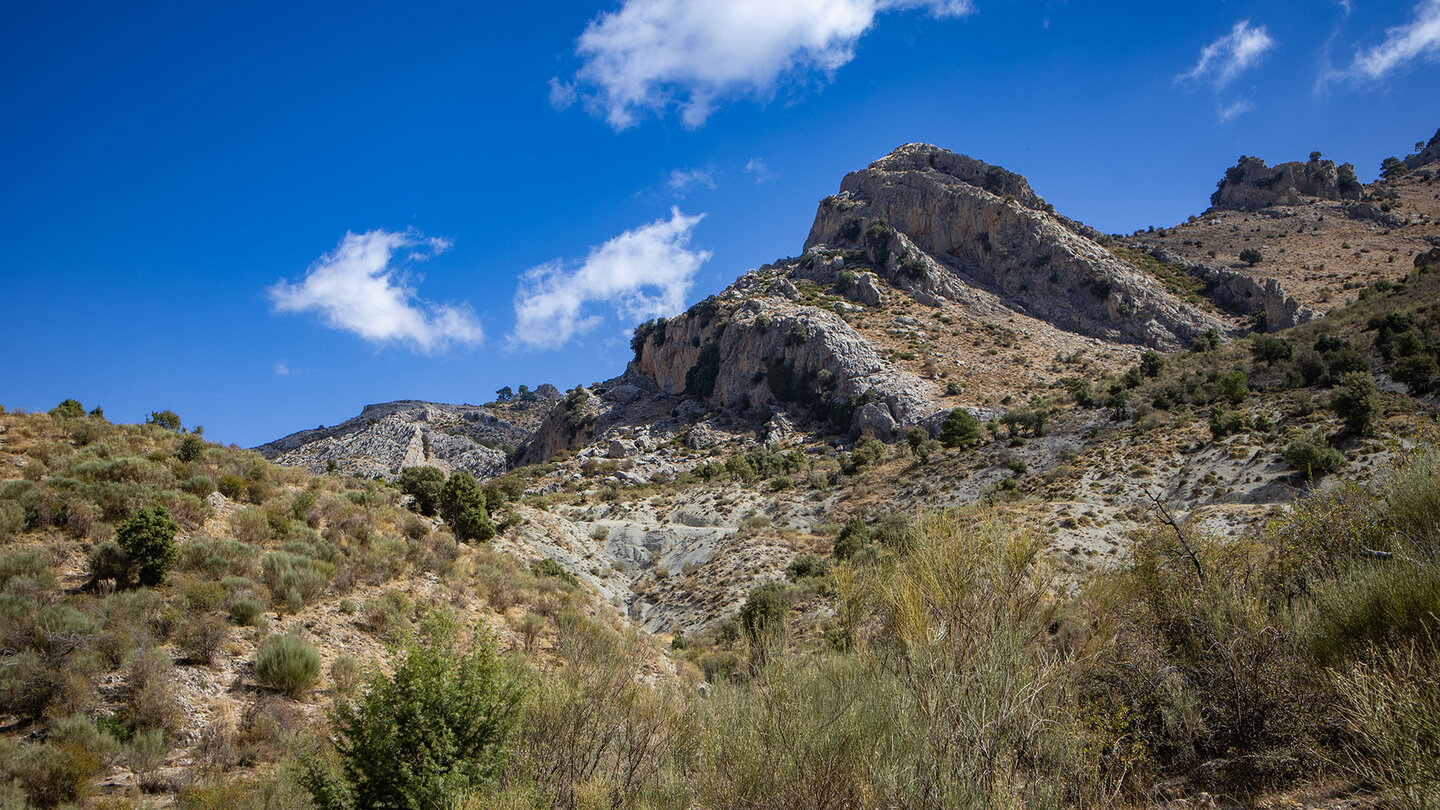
(967, 505)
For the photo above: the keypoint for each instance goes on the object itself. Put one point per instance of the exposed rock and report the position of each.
(1241, 293)
(769, 352)
(623, 394)
(390, 436)
(1430, 154)
(1429, 259)
(875, 420)
(954, 232)
(621, 448)
(1251, 184)
(570, 425)
(701, 437)
(866, 290)
(779, 431)
(1373, 213)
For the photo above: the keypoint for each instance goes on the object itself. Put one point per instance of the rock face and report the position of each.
(1251, 185)
(767, 352)
(964, 223)
(1430, 154)
(388, 437)
(1241, 293)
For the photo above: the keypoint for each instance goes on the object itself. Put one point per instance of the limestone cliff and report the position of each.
(979, 225)
(1251, 185)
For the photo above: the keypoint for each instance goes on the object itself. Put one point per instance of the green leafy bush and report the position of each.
(144, 549)
(429, 735)
(960, 429)
(1313, 457)
(287, 664)
(806, 566)
(764, 610)
(425, 485)
(462, 505)
(1357, 402)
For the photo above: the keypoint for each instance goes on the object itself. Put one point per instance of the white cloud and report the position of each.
(760, 169)
(1228, 112)
(1417, 39)
(649, 54)
(644, 273)
(1229, 56)
(357, 288)
(283, 370)
(682, 180)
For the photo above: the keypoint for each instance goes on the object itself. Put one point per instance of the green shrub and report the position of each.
(1313, 457)
(960, 429)
(764, 610)
(852, 538)
(69, 409)
(1269, 348)
(462, 506)
(1393, 706)
(1381, 603)
(192, 448)
(1412, 503)
(1251, 256)
(868, 452)
(1357, 402)
(247, 612)
(1152, 363)
(429, 735)
(148, 539)
(287, 664)
(425, 485)
(1234, 386)
(1223, 422)
(550, 567)
(1417, 372)
(806, 566)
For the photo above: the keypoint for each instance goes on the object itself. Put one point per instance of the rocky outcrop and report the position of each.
(1240, 293)
(569, 426)
(1370, 212)
(762, 353)
(1430, 154)
(955, 231)
(387, 437)
(1251, 184)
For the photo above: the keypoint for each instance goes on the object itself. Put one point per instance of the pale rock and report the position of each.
(962, 223)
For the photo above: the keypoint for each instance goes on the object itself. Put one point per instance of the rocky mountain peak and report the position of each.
(1251, 185)
(980, 226)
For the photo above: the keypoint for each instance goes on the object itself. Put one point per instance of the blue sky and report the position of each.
(264, 216)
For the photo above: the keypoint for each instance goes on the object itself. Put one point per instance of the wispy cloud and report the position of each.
(643, 273)
(651, 54)
(360, 289)
(1417, 39)
(283, 370)
(1229, 56)
(1227, 112)
(682, 180)
(759, 169)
